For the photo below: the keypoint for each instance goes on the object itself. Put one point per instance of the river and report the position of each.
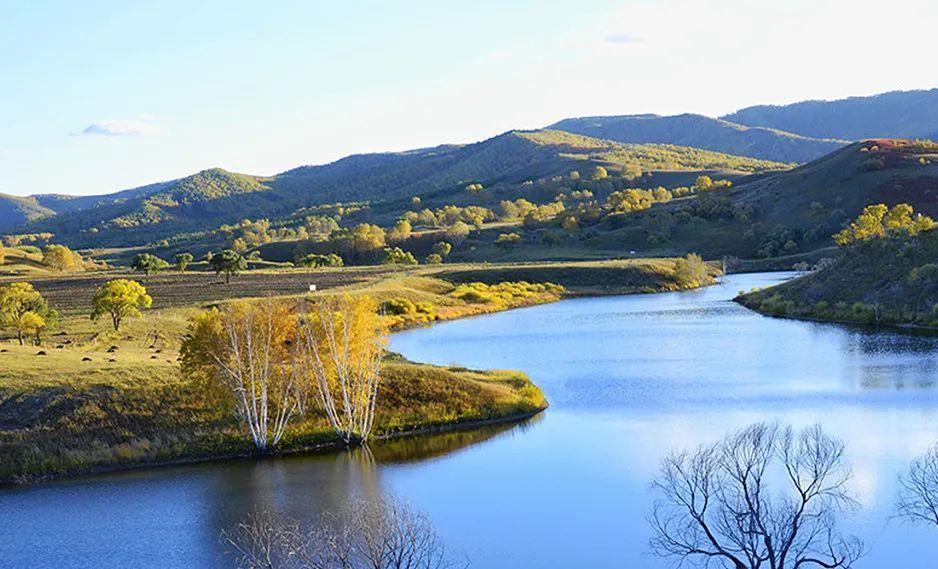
(629, 378)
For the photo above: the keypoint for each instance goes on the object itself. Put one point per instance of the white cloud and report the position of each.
(129, 127)
(619, 37)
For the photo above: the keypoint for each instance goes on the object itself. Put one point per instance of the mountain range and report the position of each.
(762, 138)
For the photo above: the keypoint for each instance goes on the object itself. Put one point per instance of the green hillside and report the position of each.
(703, 132)
(215, 197)
(883, 281)
(795, 211)
(899, 114)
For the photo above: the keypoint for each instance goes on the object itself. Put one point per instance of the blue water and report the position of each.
(629, 379)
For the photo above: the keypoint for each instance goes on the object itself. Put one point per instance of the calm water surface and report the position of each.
(629, 378)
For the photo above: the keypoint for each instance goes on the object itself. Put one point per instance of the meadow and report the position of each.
(89, 399)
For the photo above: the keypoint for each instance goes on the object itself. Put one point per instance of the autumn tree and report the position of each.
(229, 262)
(400, 232)
(120, 299)
(692, 271)
(722, 505)
(243, 352)
(147, 263)
(25, 311)
(3, 254)
(183, 260)
(61, 258)
(340, 346)
(457, 232)
(599, 173)
(878, 221)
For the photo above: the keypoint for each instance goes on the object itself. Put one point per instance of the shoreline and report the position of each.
(895, 326)
(327, 446)
(315, 449)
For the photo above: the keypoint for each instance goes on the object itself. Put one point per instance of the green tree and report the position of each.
(229, 262)
(398, 256)
(183, 260)
(507, 241)
(24, 310)
(434, 259)
(147, 263)
(316, 260)
(442, 248)
(120, 298)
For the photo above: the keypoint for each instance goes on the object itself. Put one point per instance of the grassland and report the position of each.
(90, 399)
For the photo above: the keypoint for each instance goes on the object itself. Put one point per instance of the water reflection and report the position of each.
(629, 379)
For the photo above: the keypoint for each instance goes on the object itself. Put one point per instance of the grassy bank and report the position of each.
(62, 416)
(880, 282)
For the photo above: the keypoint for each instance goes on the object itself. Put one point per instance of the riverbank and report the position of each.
(90, 400)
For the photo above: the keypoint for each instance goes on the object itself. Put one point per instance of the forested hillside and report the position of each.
(215, 197)
(703, 132)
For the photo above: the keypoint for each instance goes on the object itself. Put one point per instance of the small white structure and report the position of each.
(312, 288)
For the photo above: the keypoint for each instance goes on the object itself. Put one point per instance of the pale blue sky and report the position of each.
(99, 96)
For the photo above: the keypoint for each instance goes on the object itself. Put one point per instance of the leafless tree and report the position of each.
(341, 344)
(763, 497)
(918, 489)
(367, 535)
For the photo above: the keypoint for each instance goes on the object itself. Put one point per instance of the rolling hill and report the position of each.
(883, 281)
(786, 213)
(703, 132)
(214, 197)
(898, 114)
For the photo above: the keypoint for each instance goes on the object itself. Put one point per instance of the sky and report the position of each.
(99, 96)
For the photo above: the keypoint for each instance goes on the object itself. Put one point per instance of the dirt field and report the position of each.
(72, 294)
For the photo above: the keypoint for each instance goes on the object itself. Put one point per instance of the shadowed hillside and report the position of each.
(899, 114)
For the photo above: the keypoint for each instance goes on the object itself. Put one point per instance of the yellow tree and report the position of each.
(121, 298)
(243, 352)
(61, 258)
(23, 310)
(340, 344)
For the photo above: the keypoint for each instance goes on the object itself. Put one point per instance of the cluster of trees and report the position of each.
(248, 234)
(879, 221)
(24, 311)
(272, 361)
(506, 294)
(449, 215)
(317, 260)
(61, 258)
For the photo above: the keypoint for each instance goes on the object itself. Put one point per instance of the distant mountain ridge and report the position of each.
(703, 132)
(897, 114)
